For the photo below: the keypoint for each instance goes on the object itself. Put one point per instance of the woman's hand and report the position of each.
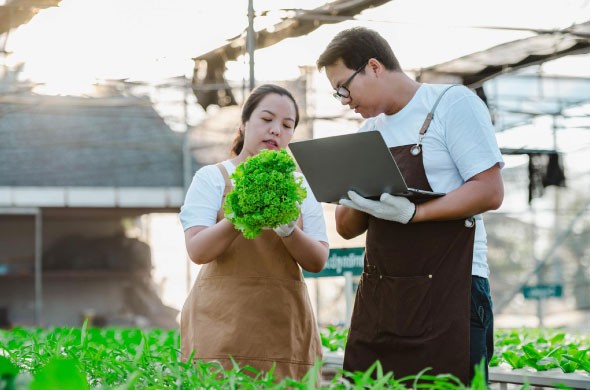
(287, 229)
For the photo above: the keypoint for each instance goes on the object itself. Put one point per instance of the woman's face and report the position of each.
(270, 126)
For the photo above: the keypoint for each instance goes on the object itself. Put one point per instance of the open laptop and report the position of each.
(361, 162)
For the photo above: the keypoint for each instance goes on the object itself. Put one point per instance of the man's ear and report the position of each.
(375, 66)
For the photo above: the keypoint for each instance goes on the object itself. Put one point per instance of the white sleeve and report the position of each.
(203, 198)
(312, 213)
(470, 136)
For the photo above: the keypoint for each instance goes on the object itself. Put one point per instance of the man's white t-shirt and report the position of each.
(204, 196)
(459, 143)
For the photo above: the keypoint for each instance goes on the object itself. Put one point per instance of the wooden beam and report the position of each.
(18, 12)
(474, 69)
(302, 23)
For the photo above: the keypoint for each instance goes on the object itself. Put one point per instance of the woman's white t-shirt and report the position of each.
(204, 196)
(459, 143)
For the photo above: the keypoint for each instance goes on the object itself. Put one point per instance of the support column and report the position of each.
(38, 315)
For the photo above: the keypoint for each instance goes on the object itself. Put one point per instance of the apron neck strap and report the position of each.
(430, 115)
(225, 174)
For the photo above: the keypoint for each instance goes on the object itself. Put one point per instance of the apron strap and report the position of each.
(416, 149)
(226, 190)
(228, 185)
(430, 115)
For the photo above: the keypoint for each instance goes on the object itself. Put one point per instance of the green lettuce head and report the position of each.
(266, 193)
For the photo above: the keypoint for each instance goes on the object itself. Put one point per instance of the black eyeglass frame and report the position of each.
(342, 92)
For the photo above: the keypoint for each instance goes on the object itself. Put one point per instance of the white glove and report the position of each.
(287, 229)
(389, 207)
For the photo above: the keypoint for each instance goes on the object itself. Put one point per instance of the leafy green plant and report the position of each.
(60, 374)
(130, 359)
(266, 193)
(334, 338)
(542, 349)
(539, 349)
(375, 378)
(8, 373)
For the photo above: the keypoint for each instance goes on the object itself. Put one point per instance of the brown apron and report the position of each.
(412, 305)
(251, 304)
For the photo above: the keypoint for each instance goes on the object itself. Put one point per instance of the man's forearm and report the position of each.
(350, 223)
(481, 193)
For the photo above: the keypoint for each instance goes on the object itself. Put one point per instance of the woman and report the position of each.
(250, 301)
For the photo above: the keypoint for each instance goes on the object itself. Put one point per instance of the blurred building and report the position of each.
(75, 175)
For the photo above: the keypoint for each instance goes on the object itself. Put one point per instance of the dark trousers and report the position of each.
(481, 343)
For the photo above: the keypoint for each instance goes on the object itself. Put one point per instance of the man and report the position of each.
(424, 298)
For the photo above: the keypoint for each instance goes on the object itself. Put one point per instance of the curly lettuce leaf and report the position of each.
(266, 193)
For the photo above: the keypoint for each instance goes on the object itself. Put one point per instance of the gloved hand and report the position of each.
(389, 207)
(287, 229)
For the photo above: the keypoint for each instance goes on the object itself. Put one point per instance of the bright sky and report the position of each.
(81, 41)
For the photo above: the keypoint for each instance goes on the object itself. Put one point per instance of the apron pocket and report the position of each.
(405, 305)
(365, 314)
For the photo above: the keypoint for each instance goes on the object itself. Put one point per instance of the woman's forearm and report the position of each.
(308, 252)
(205, 244)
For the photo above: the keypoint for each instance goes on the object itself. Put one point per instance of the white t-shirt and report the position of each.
(459, 143)
(204, 196)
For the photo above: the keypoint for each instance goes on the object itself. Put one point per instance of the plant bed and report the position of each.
(118, 358)
(554, 377)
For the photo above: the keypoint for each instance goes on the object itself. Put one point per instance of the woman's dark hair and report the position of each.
(250, 105)
(356, 46)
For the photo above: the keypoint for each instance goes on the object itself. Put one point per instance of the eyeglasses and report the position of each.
(342, 91)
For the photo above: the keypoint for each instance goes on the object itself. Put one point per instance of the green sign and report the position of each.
(541, 291)
(341, 260)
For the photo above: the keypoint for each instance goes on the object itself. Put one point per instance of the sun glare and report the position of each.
(40, 46)
(69, 48)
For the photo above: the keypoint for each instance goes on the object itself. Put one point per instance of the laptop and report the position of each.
(360, 162)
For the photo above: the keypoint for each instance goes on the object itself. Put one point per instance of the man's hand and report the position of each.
(389, 207)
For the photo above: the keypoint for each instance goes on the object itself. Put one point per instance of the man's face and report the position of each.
(350, 86)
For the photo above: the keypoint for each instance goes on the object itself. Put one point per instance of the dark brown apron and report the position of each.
(412, 305)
